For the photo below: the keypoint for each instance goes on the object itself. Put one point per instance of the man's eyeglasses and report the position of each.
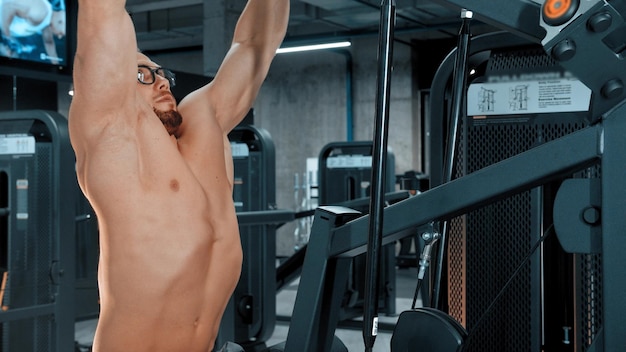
(147, 75)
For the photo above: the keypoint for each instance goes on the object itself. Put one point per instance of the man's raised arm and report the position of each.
(105, 65)
(259, 32)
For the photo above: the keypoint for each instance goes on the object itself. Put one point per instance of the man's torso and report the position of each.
(168, 237)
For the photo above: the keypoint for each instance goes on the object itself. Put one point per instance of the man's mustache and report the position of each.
(165, 94)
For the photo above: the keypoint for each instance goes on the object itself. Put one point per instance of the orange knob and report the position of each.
(557, 12)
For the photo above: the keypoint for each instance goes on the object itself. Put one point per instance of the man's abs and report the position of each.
(163, 276)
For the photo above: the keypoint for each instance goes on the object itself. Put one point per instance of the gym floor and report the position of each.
(351, 337)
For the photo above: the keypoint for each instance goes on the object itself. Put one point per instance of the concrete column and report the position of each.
(220, 18)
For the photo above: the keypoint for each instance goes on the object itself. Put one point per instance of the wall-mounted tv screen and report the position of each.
(34, 33)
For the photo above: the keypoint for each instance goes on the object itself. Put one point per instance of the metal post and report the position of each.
(459, 81)
(377, 194)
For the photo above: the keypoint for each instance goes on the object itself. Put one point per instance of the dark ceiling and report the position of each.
(178, 24)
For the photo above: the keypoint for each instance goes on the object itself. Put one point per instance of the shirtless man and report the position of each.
(160, 177)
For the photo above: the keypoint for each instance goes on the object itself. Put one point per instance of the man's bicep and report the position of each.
(236, 85)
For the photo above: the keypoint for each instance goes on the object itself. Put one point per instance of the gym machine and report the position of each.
(38, 189)
(535, 306)
(337, 232)
(345, 170)
(586, 39)
(250, 315)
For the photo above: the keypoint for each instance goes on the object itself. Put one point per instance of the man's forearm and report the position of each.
(263, 23)
(101, 5)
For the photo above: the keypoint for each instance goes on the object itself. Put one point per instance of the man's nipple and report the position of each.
(174, 185)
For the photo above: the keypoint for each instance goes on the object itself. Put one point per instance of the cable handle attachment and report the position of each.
(429, 238)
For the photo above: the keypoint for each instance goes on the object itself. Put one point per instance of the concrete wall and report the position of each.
(303, 106)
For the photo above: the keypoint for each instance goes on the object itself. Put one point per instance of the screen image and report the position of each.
(34, 31)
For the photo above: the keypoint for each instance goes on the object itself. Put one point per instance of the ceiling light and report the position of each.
(313, 47)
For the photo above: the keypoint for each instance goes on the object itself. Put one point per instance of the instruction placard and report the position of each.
(17, 144)
(349, 161)
(239, 150)
(527, 97)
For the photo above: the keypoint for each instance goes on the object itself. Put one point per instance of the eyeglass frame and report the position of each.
(167, 74)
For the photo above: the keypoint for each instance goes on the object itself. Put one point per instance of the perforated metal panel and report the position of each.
(43, 245)
(487, 245)
(28, 282)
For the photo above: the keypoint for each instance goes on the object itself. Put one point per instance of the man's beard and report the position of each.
(171, 119)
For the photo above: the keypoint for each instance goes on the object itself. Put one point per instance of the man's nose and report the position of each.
(162, 82)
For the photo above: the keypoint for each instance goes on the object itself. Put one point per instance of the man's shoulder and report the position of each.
(200, 100)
